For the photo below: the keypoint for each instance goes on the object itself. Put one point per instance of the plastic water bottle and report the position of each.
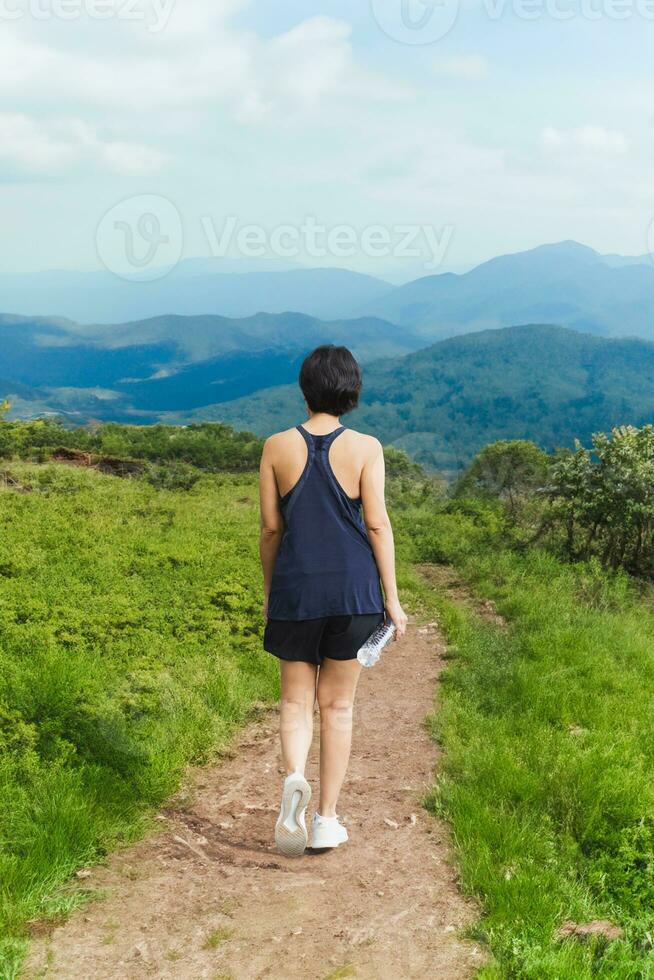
(371, 650)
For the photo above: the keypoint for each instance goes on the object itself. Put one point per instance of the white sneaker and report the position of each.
(291, 830)
(327, 832)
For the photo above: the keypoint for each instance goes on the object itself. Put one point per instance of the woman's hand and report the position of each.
(264, 608)
(396, 614)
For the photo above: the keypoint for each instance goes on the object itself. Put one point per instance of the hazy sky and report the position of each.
(525, 122)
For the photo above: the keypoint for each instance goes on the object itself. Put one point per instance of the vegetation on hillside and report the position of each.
(604, 497)
(545, 707)
(581, 503)
(129, 637)
(547, 771)
(130, 623)
(209, 446)
(145, 370)
(130, 645)
(443, 404)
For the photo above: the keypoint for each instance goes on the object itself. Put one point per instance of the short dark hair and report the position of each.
(330, 379)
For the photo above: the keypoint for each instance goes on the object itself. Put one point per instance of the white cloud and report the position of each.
(118, 78)
(186, 20)
(198, 61)
(604, 140)
(552, 138)
(470, 68)
(595, 139)
(24, 144)
(30, 146)
(129, 159)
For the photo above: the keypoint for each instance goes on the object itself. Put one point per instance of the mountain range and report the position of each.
(194, 287)
(442, 404)
(449, 362)
(568, 284)
(135, 371)
(564, 283)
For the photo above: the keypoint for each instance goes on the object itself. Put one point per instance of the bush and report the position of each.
(604, 499)
(508, 469)
(209, 446)
(582, 503)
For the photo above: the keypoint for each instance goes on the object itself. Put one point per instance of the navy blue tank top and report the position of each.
(325, 565)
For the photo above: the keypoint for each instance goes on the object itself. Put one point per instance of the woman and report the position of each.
(321, 567)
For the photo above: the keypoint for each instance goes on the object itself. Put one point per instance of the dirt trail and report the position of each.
(447, 580)
(210, 897)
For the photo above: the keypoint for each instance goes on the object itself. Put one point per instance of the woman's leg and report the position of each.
(296, 712)
(337, 684)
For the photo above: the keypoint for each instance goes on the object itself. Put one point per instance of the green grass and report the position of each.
(547, 774)
(344, 971)
(217, 937)
(129, 646)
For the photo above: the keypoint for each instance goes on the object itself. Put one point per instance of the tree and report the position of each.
(605, 498)
(508, 469)
(571, 493)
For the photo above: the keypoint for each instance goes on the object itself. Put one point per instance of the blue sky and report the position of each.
(502, 134)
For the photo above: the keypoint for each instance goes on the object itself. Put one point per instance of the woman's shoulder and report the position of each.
(365, 443)
(280, 440)
(282, 436)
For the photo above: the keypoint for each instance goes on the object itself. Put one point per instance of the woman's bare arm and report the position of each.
(380, 533)
(272, 525)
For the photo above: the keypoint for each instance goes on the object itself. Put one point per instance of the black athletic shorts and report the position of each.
(310, 640)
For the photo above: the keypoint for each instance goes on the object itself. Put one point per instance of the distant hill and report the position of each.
(193, 288)
(200, 337)
(443, 403)
(566, 283)
(136, 371)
